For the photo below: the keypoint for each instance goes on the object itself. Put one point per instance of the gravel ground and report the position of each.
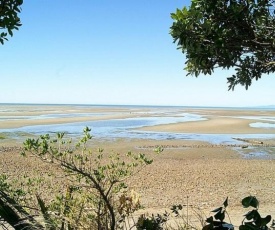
(201, 176)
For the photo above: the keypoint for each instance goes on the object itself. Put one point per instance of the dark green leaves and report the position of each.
(227, 34)
(225, 203)
(253, 217)
(217, 221)
(252, 221)
(220, 215)
(9, 20)
(250, 201)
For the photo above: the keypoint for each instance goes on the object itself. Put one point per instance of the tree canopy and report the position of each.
(237, 34)
(9, 20)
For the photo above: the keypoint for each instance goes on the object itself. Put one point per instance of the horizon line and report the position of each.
(138, 105)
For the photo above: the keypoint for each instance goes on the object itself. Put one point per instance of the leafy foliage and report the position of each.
(236, 34)
(252, 220)
(11, 211)
(97, 195)
(9, 19)
(217, 221)
(253, 217)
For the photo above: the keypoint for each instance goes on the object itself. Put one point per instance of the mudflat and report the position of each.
(187, 171)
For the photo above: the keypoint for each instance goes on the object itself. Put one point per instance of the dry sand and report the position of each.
(206, 174)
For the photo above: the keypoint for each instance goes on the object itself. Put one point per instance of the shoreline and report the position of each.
(218, 121)
(205, 172)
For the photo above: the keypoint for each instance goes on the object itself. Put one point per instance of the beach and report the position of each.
(193, 171)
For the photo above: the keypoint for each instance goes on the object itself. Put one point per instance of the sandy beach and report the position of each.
(203, 172)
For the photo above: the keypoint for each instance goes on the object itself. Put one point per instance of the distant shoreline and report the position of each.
(268, 107)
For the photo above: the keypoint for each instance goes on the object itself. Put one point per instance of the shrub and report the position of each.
(96, 197)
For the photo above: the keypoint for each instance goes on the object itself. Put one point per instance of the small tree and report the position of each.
(236, 34)
(96, 195)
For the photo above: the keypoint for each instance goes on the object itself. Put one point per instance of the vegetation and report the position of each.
(96, 195)
(74, 210)
(9, 18)
(252, 220)
(237, 34)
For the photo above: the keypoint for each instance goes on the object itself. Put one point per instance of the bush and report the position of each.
(96, 197)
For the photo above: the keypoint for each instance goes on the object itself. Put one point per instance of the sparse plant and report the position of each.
(97, 196)
(217, 221)
(152, 222)
(252, 220)
(12, 211)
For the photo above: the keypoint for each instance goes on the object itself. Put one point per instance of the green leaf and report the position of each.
(209, 219)
(220, 216)
(208, 227)
(250, 215)
(245, 227)
(251, 226)
(174, 16)
(250, 201)
(42, 205)
(266, 220)
(225, 203)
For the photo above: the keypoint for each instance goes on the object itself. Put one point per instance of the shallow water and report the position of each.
(107, 128)
(256, 152)
(128, 127)
(51, 116)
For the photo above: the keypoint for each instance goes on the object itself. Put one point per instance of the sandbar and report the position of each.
(213, 125)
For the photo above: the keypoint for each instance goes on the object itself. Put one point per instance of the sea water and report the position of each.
(129, 127)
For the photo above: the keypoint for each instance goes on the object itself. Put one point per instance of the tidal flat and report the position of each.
(209, 153)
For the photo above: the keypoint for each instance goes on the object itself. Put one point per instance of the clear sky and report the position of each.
(109, 52)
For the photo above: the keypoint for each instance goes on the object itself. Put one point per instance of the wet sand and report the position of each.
(218, 120)
(205, 173)
(214, 125)
(35, 115)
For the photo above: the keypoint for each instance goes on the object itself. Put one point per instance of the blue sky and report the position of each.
(109, 52)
